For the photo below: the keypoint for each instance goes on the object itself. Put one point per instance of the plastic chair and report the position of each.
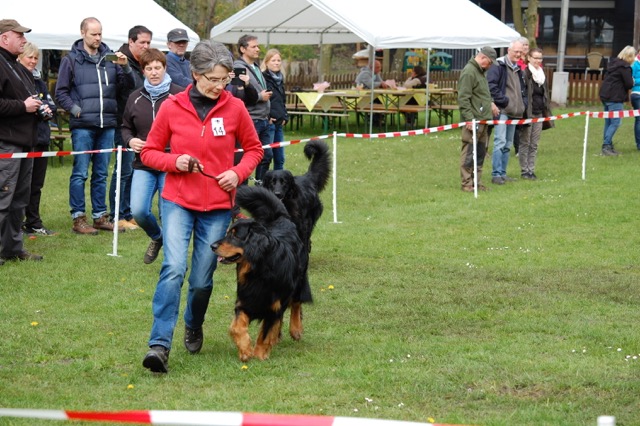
(594, 59)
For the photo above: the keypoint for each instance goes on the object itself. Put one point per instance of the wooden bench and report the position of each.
(444, 112)
(326, 116)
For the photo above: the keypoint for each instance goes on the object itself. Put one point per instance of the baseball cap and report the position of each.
(489, 52)
(12, 25)
(177, 34)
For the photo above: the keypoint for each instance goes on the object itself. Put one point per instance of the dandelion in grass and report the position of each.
(244, 367)
(34, 323)
(431, 420)
(330, 287)
(129, 386)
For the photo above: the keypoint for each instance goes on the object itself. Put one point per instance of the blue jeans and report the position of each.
(502, 142)
(144, 185)
(262, 129)
(635, 102)
(611, 124)
(277, 135)
(126, 174)
(86, 140)
(179, 224)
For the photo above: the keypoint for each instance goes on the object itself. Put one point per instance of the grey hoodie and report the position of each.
(259, 111)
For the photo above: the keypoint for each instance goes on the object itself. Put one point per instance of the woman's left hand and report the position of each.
(228, 180)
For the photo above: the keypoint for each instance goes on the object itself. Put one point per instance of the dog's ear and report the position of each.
(292, 189)
(267, 180)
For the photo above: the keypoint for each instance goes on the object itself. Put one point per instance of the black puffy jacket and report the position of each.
(617, 82)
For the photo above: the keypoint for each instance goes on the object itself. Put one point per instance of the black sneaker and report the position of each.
(39, 232)
(497, 180)
(157, 359)
(152, 251)
(25, 255)
(193, 339)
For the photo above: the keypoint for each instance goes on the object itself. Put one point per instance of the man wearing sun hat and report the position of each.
(474, 101)
(18, 134)
(177, 65)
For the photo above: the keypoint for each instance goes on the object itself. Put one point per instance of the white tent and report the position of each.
(56, 24)
(449, 24)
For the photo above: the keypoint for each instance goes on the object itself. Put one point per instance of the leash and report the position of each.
(194, 163)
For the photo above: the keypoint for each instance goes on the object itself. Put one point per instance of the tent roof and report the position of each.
(453, 24)
(56, 25)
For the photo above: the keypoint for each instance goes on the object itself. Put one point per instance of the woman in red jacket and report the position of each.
(202, 124)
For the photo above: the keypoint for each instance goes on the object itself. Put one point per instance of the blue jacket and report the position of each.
(179, 69)
(635, 72)
(89, 86)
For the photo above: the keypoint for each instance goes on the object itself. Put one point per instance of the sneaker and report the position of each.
(509, 179)
(80, 226)
(105, 224)
(25, 255)
(127, 225)
(193, 339)
(497, 180)
(533, 176)
(157, 359)
(608, 151)
(39, 232)
(152, 251)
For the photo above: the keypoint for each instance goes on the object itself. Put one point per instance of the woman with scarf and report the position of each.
(278, 117)
(140, 112)
(33, 222)
(538, 106)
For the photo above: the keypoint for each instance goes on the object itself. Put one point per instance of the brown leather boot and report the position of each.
(105, 224)
(80, 226)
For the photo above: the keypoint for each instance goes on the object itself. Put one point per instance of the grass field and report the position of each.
(519, 307)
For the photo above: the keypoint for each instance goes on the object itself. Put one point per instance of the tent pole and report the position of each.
(426, 107)
(373, 67)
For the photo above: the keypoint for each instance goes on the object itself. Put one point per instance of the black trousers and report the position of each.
(32, 211)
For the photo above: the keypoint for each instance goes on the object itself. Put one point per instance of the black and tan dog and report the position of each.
(300, 194)
(271, 268)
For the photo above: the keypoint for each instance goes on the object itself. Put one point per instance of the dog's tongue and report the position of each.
(220, 259)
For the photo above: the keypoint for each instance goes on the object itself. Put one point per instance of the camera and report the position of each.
(41, 113)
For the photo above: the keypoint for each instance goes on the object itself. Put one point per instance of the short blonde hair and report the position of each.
(627, 54)
(29, 50)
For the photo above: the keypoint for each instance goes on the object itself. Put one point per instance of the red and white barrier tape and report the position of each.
(608, 114)
(202, 418)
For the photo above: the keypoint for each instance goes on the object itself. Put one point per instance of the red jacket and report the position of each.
(178, 122)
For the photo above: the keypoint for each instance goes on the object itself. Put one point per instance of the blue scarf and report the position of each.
(160, 89)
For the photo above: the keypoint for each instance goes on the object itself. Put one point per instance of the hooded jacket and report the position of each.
(17, 127)
(617, 82)
(260, 110)
(89, 86)
(178, 122)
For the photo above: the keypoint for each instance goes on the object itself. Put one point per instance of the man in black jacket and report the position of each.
(18, 132)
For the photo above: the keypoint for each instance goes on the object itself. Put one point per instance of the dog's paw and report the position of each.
(261, 352)
(245, 355)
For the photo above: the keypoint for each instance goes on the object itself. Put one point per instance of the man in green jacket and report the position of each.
(474, 101)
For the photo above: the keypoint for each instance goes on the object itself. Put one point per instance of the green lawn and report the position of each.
(519, 307)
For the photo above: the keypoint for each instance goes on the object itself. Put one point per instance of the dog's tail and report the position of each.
(320, 167)
(261, 203)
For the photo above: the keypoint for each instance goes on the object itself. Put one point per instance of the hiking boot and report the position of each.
(152, 251)
(608, 151)
(466, 188)
(497, 180)
(25, 255)
(481, 187)
(127, 225)
(105, 224)
(193, 339)
(38, 232)
(80, 226)
(157, 359)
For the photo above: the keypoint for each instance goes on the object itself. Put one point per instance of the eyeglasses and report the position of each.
(217, 81)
